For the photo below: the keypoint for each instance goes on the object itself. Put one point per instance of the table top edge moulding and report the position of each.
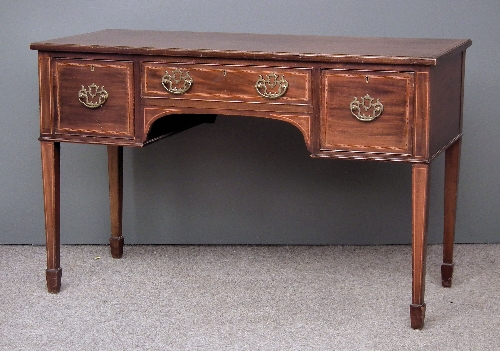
(419, 51)
(379, 99)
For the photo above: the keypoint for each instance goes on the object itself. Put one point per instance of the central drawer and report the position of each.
(244, 86)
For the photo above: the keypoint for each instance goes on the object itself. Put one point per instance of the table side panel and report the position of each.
(445, 95)
(45, 82)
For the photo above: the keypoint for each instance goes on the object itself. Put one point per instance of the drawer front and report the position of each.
(255, 87)
(94, 97)
(367, 111)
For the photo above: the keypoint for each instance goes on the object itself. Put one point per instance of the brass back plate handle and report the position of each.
(271, 87)
(178, 82)
(93, 97)
(360, 107)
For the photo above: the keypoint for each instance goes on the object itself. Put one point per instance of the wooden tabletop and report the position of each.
(259, 46)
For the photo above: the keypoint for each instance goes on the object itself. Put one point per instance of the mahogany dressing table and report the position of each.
(380, 99)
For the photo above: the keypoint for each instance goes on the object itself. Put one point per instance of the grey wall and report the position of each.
(244, 180)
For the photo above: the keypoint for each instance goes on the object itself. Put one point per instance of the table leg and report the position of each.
(115, 172)
(452, 165)
(420, 205)
(51, 196)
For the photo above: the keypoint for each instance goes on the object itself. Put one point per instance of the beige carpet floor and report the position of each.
(246, 298)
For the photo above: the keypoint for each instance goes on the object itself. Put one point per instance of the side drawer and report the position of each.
(367, 111)
(94, 97)
(253, 87)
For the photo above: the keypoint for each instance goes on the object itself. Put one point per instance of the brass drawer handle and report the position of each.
(93, 97)
(178, 82)
(366, 104)
(270, 83)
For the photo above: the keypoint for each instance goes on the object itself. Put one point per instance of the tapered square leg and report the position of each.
(420, 210)
(115, 172)
(51, 197)
(452, 166)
